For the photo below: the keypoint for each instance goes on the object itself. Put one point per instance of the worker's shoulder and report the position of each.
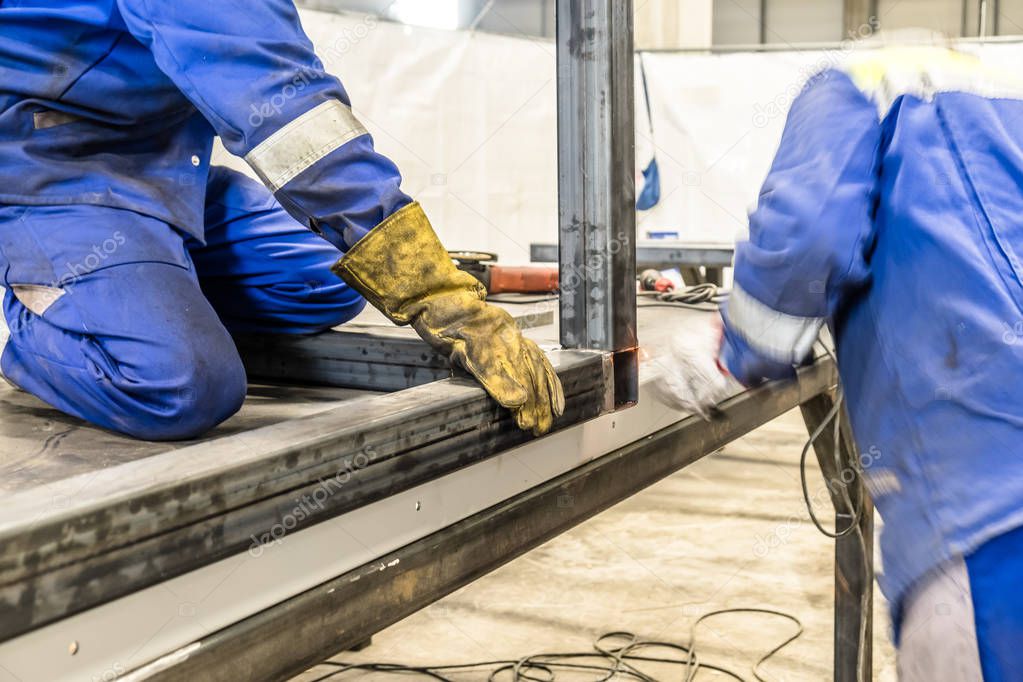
(887, 73)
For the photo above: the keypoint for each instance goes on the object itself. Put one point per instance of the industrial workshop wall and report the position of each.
(717, 122)
(471, 120)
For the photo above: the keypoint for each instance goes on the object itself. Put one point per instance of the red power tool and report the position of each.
(653, 280)
(500, 279)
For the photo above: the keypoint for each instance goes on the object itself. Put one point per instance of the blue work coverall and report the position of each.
(128, 261)
(894, 213)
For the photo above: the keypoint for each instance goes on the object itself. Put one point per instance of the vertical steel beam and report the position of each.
(858, 14)
(854, 552)
(596, 181)
(763, 23)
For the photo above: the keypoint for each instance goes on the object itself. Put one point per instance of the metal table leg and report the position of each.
(854, 552)
(716, 275)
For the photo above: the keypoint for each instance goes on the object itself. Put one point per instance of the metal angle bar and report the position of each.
(857, 14)
(596, 181)
(652, 255)
(763, 22)
(357, 356)
(288, 638)
(150, 520)
(370, 360)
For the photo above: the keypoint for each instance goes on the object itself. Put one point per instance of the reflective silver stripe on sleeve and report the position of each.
(303, 142)
(777, 336)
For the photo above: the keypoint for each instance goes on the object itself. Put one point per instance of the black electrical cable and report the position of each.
(831, 416)
(707, 297)
(835, 415)
(610, 661)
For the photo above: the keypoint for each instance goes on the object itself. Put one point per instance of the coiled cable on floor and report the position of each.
(613, 658)
(707, 297)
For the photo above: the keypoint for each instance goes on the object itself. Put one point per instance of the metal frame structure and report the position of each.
(345, 611)
(188, 517)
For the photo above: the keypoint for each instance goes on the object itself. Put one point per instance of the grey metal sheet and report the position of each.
(143, 521)
(40, 446)
(369, 356)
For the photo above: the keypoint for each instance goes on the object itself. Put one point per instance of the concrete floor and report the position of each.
(730, 531)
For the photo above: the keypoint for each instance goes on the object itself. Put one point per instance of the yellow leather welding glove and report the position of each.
(405, 272)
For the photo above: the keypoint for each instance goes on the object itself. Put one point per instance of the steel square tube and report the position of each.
(596, 181)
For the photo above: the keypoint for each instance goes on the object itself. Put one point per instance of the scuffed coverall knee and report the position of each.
(127, 260)
(893, 213)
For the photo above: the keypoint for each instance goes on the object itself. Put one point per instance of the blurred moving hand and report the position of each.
(689, 375)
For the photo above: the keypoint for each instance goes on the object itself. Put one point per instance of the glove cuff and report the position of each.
(401, 263)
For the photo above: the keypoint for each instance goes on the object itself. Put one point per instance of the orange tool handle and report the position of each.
(523, 280)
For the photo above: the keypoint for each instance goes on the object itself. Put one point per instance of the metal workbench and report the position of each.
(665, 254)
(329, 509)
(315, 517)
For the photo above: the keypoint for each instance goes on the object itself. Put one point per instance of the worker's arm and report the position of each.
(810, 233)
(252, 72)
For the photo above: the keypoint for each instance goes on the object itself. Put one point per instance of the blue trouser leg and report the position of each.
(963, 622)
(996, 582)
(131, 330)
(263, 271)
(123, 336)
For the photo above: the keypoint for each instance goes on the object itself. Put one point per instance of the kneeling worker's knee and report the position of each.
(198, 395)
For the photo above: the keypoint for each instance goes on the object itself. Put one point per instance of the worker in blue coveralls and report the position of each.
(893, 213)
(128, 261)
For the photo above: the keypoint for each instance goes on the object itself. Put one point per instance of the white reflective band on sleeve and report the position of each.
(303, 142)
(775, 335)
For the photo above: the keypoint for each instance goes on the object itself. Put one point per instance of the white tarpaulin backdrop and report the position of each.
(468, 118)
(471, 121)
(717, 123)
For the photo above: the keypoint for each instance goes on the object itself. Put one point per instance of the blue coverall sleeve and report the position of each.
(810, 233)
(252, 72)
